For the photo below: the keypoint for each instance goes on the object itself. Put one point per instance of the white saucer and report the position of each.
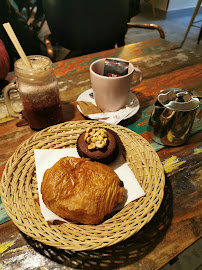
(131, 102)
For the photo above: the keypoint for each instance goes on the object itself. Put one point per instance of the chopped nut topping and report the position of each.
(92, 132)
(88, 140)
(100, 144)
(86, 136)
(100, 138)
(91, 146)
(96, 138)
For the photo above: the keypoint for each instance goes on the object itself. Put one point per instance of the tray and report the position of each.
(20, 195)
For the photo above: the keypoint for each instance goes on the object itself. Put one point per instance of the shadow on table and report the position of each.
(122, 254)
(68, 111)
(145, 101)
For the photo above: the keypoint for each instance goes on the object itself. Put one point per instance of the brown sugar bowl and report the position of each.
(99, 144)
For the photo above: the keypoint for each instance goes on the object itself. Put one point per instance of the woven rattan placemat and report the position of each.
(19, 190)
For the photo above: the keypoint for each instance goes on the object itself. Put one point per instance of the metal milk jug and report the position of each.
(172, 117)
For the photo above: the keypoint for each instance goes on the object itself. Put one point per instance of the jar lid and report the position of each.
(178, 99)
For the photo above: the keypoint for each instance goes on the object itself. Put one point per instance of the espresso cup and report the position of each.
(111, 93)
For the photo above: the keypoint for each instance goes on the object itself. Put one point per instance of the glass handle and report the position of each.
(6, 93)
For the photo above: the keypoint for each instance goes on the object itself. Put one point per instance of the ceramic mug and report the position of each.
(111, 93)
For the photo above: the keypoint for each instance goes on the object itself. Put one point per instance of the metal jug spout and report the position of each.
(158, 108)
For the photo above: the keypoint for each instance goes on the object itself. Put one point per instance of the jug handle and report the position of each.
(6, 93)
(199, 109)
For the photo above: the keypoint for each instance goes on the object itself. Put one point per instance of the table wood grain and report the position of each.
(177, 224)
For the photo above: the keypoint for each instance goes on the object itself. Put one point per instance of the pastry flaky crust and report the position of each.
(80, 190)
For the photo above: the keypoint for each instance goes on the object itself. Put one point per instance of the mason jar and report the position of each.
(39, 93)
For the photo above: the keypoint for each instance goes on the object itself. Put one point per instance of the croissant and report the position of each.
(80, 190)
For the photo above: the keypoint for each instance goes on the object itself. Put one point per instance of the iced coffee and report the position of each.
(39, 92)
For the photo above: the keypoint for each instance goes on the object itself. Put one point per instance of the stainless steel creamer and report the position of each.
(172, 117)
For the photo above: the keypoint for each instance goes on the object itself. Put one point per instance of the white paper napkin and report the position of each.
(46, 158)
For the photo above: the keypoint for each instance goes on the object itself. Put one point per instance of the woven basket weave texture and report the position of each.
(19, 191)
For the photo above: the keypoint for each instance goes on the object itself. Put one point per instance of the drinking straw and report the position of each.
(16, 43)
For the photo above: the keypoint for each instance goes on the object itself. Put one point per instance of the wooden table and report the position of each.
(177, 224)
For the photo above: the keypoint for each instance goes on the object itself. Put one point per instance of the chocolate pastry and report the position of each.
(80, 190)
